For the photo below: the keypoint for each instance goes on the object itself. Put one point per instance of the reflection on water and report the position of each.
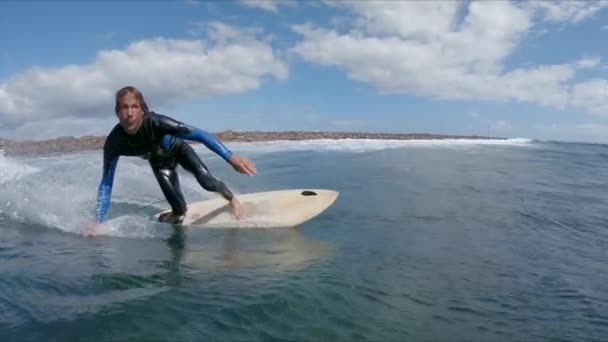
(110, 274)
(272, 249)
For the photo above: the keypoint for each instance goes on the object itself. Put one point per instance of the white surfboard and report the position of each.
(268, 209)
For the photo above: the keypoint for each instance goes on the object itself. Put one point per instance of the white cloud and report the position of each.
(588, 63)
(446, 50)
(592, 95)
(166, 70)
(64, 126)
(409, 19)
(223, 34)
(268, 5)
(567, 11)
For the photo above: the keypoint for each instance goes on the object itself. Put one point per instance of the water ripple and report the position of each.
(492, 243)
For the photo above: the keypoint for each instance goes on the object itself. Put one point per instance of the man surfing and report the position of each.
(159, 139)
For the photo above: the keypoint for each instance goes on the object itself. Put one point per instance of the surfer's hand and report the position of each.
(242, 165)
(92, 229)
(237, 208)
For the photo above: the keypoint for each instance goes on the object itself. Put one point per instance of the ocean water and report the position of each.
(428, 241)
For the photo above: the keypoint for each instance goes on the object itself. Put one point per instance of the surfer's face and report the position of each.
(130, 113)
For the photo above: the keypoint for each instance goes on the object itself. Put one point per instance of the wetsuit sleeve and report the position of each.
(104, 192)
(181, 130)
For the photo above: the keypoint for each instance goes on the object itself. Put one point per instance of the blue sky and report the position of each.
(512, 69)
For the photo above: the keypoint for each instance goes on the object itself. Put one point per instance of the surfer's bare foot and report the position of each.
(237, 208)
(171, 217)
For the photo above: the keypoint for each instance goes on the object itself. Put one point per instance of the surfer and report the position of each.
(160, 139)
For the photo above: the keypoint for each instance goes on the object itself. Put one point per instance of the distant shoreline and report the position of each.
(90, 143)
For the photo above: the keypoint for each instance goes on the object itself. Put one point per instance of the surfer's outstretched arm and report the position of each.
(104, 192)
(207, 139)
(239, 163)
(184, 131)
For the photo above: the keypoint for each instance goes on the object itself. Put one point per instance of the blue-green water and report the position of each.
(428, 241)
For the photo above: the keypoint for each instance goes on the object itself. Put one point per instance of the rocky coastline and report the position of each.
(88, 143)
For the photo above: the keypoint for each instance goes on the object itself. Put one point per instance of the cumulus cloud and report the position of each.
(587, 63)
(566, 11)
(57, 127)
(268, 5)
(592, 95)
(166, 70)
(450, 50)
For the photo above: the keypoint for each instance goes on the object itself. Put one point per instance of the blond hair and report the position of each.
(130, 90)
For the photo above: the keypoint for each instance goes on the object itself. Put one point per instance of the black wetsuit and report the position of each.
(159, 140)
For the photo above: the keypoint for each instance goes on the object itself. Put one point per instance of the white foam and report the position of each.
(364, 145)
(60, 192)
(127, 226)
(12, 169)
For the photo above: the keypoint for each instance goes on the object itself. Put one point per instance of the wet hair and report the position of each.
(130, 90)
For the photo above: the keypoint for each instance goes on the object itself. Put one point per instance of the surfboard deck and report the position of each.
(267, 209)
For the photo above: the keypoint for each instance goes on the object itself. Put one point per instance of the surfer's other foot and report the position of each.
(92, 229)
(237, 208)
